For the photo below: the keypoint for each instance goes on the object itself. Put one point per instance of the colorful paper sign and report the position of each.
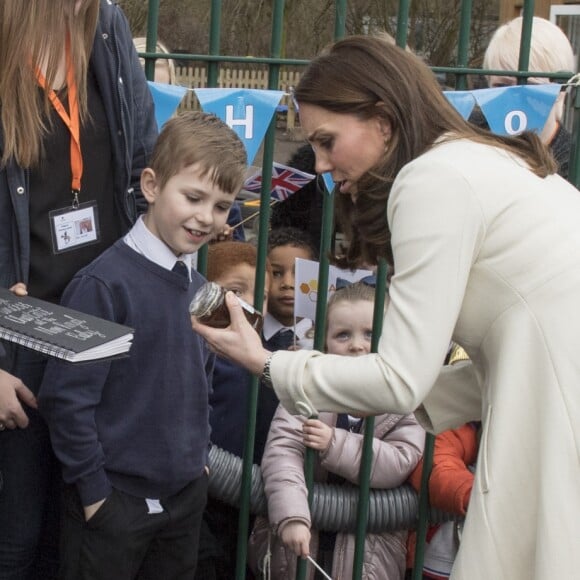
(306, 289)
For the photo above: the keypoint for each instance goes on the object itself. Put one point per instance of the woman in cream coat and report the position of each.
(484, 240)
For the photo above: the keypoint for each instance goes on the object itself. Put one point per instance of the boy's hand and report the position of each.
(239, 342)
(317, 434)
(296, 537)
(226, 235)
(91, 510)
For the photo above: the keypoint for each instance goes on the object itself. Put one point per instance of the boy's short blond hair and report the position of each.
(197, 138)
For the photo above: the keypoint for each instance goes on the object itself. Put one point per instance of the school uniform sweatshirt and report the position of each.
(140, 423)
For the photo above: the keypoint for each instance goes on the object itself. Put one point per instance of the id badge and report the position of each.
(73, 228)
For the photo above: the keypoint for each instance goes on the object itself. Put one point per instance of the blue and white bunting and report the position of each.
(463, 101)
(511, 110)
(166, 99)
(508, 110)
(247, 111)
(328, 182)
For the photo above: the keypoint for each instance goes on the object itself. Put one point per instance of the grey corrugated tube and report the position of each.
(333, 506)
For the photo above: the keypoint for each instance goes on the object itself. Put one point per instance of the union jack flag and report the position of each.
(285, 181)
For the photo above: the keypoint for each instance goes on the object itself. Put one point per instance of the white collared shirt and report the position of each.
(147, 244)
(300, 330)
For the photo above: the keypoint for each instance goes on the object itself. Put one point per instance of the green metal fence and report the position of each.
(274, 61)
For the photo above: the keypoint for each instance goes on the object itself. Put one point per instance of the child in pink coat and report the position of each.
(338, 439)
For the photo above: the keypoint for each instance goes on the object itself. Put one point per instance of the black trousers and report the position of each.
(122, 541)
(218, 542)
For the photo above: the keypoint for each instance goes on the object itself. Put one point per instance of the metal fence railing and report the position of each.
(212, 63)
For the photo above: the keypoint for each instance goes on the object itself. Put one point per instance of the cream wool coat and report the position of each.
(487, 254)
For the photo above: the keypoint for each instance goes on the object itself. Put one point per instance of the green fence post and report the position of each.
(403, 23)
(319, 335)
(369, 427)
(339, 19)
(264, 218)
(151, 41)
(423, 514)
(212, 81)
(463, 43)
(525, 42)
(214, 42)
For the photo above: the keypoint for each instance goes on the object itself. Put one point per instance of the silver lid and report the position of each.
(206, 299)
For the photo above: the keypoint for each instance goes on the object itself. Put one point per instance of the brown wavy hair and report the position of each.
(33, 32)
(369, 77)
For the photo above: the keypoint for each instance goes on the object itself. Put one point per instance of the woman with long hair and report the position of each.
(77, 128)
(483, 240)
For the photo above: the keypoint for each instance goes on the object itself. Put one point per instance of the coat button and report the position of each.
(20, 190)
(105, 36)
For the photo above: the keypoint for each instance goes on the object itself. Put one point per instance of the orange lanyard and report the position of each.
(71, 120)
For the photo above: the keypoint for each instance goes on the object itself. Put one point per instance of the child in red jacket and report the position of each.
(450, 484)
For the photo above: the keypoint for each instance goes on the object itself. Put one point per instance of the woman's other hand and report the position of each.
(12, 391)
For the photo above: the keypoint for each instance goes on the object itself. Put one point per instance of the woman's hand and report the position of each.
(19, 289)
(317, 434)
(296, 537)
(12, 391)
(239, 342)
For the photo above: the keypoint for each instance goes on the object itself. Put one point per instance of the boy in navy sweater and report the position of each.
(132, 434)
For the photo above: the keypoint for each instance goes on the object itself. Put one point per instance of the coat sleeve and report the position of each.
(69, 396)
(283, 471)
(395, 453)
(437, 228)
(451, 481)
